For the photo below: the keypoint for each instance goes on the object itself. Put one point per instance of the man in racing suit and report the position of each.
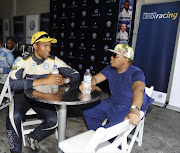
(29, 71)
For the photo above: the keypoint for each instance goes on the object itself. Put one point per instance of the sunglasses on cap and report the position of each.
(43, 36)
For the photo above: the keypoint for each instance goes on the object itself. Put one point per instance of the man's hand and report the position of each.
(133, 116)
(56, 79)
(81, 86)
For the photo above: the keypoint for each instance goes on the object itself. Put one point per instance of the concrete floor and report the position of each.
(161, 132)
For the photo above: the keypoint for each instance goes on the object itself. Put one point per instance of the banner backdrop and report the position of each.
(155, 43)
(32, 26)
(5, 29)
(18, 29)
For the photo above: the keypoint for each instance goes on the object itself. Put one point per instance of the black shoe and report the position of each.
(34, 144)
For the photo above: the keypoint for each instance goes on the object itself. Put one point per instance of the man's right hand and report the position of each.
(56, 79)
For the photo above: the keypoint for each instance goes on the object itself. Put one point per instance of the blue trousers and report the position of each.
(96, 113)
(17, 110)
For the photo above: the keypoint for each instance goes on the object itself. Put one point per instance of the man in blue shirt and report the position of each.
(127, 88)
(6, 59)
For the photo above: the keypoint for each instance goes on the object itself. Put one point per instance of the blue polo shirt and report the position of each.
(120, 85)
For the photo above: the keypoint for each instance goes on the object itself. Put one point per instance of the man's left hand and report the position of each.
(133, 116)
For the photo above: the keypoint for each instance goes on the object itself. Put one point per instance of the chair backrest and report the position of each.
(6, 91)
(102, 135)
(149, 91)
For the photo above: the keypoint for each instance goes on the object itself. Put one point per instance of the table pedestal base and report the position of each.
(62, 113)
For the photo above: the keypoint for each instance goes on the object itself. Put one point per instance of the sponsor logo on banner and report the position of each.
(94, 35)
(73, 4)
(105, 61)
(61, 53)
(63, 16)
(84, 3)
(97, 1)
(81, 57)
(109, 13)
(95, 26)
(82, 47)
(80, 66)
(93, 47)
(62, 35)
(72, 36)
(96, 13)
(155, 15)
(70, 55)
(54, 26)
(84, 13)
(83, 25)
(108, 36)
(72, 24)
(55, 16)
(62, 26)
(62, 44)
(110, 1)
(106, 47)
(82, 36)
(92, 70)
(73, 15)
(71, 45)
(92, 58)
(108, 24)
(63, 5)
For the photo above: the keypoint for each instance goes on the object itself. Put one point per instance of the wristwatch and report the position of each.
(66, 81)
(135, 107)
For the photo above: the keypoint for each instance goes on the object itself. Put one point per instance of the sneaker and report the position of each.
(34, 144)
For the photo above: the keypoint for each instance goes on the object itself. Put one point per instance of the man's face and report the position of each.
(123, 27)
(10, 44)
(126, 6)
(42, 49)
(117, 60)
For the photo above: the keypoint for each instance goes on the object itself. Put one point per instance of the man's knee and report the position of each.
(15, 116)
(52, 121)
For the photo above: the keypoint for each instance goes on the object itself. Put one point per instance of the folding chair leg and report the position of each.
(23, 137)
(141, 133)
(134, 137)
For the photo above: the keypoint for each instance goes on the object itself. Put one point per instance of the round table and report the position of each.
(62, 96)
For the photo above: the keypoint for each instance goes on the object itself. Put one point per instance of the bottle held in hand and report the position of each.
(55, 71)
(87, 82)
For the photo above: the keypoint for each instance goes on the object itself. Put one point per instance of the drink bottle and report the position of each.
(55, 71)
(87, 82)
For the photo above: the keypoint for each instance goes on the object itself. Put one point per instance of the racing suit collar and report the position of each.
(37, 60)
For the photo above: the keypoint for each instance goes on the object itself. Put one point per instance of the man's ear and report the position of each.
(126, 60)
(35, 46)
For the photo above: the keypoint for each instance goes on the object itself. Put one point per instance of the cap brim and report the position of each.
(111, 50)
(52, 40)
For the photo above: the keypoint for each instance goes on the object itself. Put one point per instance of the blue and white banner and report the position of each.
(155, 43)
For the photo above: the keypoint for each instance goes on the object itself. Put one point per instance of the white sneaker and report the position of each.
(34, 144)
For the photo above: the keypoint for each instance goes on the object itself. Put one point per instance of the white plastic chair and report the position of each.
(138, 133)
(6, 91)
(97, 141)
(28, 126)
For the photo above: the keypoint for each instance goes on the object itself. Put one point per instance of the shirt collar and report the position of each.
(37, 60)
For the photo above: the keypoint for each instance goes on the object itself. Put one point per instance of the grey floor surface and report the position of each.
(161, 132)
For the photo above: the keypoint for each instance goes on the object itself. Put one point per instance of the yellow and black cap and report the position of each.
(43, 37)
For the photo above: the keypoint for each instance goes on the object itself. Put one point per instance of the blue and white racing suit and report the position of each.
(25, 70)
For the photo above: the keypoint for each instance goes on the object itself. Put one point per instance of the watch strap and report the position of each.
(135, 107)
